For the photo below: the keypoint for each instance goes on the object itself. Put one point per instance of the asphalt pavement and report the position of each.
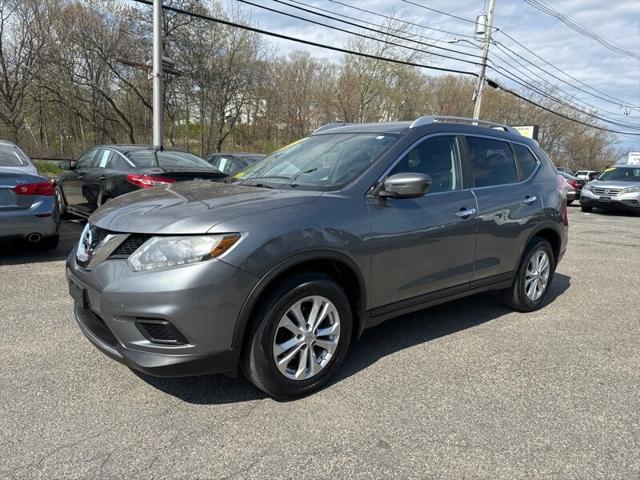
(464, 390)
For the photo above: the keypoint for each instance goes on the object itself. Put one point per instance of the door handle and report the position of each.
(465, 212)
(529, 199)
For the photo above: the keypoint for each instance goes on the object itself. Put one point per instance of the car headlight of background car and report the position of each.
(162, 252)
(631, 189)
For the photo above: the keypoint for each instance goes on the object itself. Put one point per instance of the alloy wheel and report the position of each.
(536, 276)
(306, 337)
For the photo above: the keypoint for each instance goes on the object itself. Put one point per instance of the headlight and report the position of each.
(587, 187)
(161, 252)
(631, 189)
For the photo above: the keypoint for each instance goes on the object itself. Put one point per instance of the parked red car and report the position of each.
(575, 186)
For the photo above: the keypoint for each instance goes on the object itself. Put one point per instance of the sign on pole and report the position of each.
(634, 158)
(529, 131)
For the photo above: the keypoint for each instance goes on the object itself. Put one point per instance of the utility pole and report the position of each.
(483, 68)
(158, 94)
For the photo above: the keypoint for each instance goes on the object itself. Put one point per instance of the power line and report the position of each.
(439, 11)
(498, 70)
(580, 29)
(536, 77)
(264, 7)
(397, 30)
(388, 17)
(374, 57)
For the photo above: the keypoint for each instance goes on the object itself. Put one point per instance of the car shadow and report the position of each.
(17, 252)
(378, 342)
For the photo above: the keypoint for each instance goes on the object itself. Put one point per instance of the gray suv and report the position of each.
(278, 270)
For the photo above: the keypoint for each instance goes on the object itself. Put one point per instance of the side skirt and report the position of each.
(378, 315)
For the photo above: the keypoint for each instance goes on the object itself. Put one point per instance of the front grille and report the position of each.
(606, 191)
(160, 331)
(100, 234)
(130, 245)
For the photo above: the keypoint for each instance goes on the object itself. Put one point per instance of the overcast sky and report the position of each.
(613, 73)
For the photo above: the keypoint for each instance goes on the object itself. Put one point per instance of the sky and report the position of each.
(618, 21)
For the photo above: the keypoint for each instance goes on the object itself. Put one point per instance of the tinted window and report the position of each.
(526, 159)
(147, 158)
(492, 162)
(9, 157)
(85, 160)
(103, 158)
(436, 157)
(117, 162)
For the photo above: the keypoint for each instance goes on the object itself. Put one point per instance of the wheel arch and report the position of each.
(334, 264)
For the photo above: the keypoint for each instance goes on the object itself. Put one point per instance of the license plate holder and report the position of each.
(605, 199)
(79, 294)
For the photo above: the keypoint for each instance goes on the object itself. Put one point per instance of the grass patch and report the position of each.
(47, 168)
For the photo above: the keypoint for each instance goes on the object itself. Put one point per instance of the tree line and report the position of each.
(74, 73)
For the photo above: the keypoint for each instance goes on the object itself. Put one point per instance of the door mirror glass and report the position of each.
(406, 185)
(64, 165)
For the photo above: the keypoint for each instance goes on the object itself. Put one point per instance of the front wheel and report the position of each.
(299, 337)
(533, 279)
(586, 208)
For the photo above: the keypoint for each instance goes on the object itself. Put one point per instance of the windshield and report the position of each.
(621, 174)
(10, 158)
(144, 158)
(319, 162)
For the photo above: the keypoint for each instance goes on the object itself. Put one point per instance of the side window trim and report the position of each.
(123, 156)
(460, 180)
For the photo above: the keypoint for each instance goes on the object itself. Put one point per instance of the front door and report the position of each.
(424, 245)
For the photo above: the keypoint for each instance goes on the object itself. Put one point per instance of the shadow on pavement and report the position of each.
(18, 252)
(392, 336)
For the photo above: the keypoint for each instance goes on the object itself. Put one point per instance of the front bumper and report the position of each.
(201, 301)
(624, 201)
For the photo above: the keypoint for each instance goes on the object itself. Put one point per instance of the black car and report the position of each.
(108, 171)
(231, 163)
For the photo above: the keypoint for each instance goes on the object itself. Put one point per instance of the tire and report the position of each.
(517, 296)
(586, 208)
(569, 202)
(62, 204)
(259, 363)
(49, 243)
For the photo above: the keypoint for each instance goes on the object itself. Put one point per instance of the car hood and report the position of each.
(613, 184)
(191, 207)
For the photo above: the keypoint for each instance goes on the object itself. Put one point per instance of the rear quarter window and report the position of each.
(527, 161)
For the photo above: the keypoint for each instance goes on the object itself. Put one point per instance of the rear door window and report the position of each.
(527, 161)
(492, 162)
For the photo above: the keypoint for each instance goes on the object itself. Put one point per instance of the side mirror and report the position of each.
(64, 165)
(405, 185)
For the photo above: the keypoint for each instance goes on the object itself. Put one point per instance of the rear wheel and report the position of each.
(300, 336)
(533, 279)
(569, 202)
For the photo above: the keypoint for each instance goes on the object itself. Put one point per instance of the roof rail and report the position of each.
(330, 125)
(428, 120)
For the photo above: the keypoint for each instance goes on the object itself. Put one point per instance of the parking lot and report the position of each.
(464, 390)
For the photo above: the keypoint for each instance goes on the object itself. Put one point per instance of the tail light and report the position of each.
(148, 181)
(574, 184)
(562, 184)
(38, 188)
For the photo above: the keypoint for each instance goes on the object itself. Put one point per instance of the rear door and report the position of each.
(424, 245)
(509, 205)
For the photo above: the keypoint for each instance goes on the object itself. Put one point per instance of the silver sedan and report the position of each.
(29, 207)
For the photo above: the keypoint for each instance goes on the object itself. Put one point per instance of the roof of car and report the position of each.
(236, 154)
(125, 148)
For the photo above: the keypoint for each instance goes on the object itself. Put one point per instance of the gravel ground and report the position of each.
(464, 390)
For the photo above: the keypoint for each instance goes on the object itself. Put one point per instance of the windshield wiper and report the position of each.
(295, 177)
